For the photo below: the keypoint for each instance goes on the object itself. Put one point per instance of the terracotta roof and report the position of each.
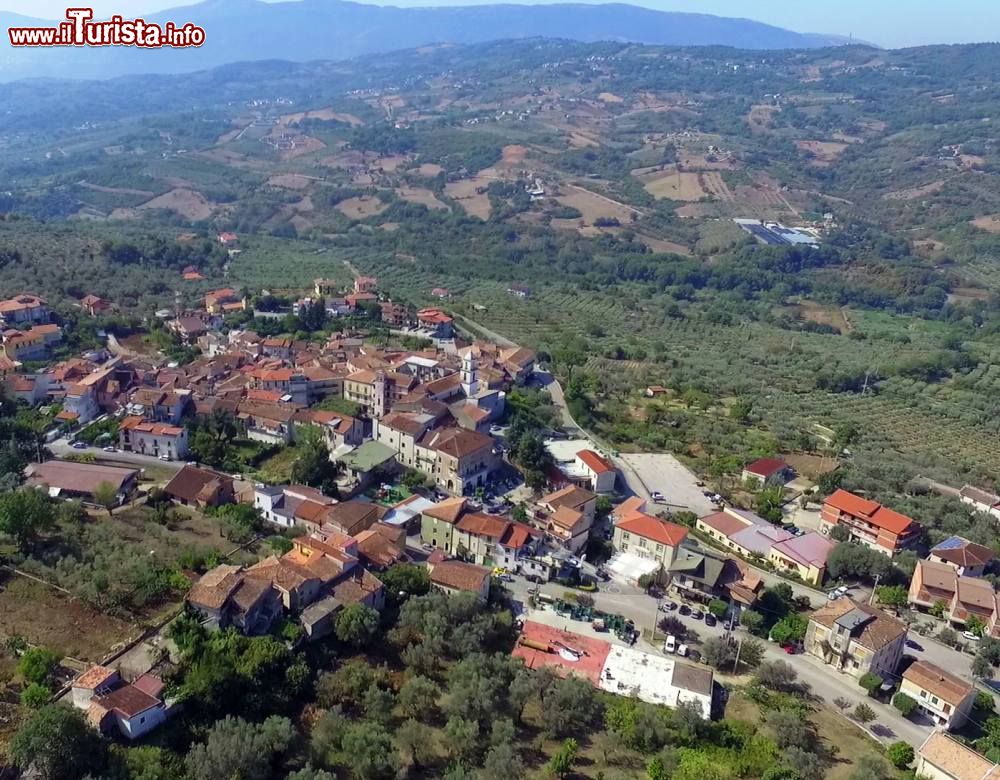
(351, 517)
(284, 574)
(21, 302)
(724, 522)
(78, 477)
(94, 677)
(765, 467)
(566, 518)
(128, 701)
(406, 422)
(459, 575)
(357, 586)
(517, 535)
(449, 510)
(979, 496)
(881, 516)
(936, 681)
(192, 483)
(961, 552)
(483, 525)
(215, 586)
(958, 761)
(456, 442)
(655, 529)
(875, 634)
(595, 462)
(377, 549)
(574, 497)
(150, 684)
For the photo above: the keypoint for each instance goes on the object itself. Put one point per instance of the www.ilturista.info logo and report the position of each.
(79, 29)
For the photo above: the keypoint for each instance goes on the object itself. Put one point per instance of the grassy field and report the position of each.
(47, 617)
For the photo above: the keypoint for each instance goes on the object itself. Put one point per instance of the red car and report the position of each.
(790, 649)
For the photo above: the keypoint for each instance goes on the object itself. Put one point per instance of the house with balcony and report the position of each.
(940, 695)
(856, 639)
(939, 586)
(155, 439)
(968, 558)
(869, 523)
(649, 538)
(942, 757)
(437, 523)
(24, 309)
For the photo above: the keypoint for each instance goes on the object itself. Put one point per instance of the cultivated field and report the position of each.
(324, 114)
(290, 181)
(421, 196)
(824, 153)
(189, 204)
(674, 185)
(594, 206)
(991, 224)
(361, 207)
(466, 192)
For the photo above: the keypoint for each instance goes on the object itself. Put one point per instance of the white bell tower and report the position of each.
(470, 373)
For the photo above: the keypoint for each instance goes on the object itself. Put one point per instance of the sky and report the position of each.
(891, 23)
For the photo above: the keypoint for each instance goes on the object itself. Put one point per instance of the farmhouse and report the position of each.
(193, 486)
(980, 500)
(156, 439)
(767, 472)
(81, 480)
(458, 577)
(968, 558)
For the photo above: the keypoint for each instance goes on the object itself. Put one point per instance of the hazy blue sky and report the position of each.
(885, 22)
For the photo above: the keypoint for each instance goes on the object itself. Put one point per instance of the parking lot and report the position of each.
(663, 473)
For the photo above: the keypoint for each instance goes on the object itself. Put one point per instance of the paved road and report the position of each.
(824, 682)
(61, 448)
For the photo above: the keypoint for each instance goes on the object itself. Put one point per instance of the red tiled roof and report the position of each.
(852, 504)
(459, 575)
(765, 467)
(483, 525)
(595, 462)
(653, 528)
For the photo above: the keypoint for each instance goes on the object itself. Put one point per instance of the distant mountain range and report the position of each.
(246, 30)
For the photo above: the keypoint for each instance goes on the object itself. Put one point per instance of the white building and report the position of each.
(155, 439)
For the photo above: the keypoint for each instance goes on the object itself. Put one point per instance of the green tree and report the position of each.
(418, 697)
(461, 737)
(503, 762)
(37, 665)
(904, 703)
(753, 622)
(357, 625)
(34, 696)
(59, 743)
(235, 748)
(369, 751)
(25, 513)
(751, 653)
(863, 713)
(718, 608)
(718, 653)
(981, 668)
(791, 628)
(777, 676)
(892, 595)
(900, 754)
(870, 682)
(768, 503)
(415, 742)
(378, 704)
(571, 707)
(974, 624)
(405, 578)
(561, 763)
(313, 466)
(106, 495)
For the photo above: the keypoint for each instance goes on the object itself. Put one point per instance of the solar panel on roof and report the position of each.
(951, 543)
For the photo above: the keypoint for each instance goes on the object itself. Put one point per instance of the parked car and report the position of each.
(109, 448)
(697, 614)
(682, 651)
(165, 458)
(710, 619)
(790, 649)
(843, 590)
(79, 445)
(684, 609)
(670, 646)
(971, 637)
(668, 606)
(658, 497)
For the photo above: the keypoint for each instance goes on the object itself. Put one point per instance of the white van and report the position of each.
(670, 645)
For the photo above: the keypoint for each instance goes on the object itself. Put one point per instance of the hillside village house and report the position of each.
(225, 301)
(67, 479)
(981, 500)
(767, 472)
(940, 695)
(290, 505)
(942, 757)
(968, 558)
(649, 539)
(569, 514)
(855, 638)
(24, 309)
(460, 577)
(703, 575)
(960, 596)
(869, 523)
(155, 439)
(134, 709)
(476, 537)
(198, 487)
(804, 555)
(437, 523)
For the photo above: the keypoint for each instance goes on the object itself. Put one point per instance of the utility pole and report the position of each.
(871, 598)
(739, 649)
